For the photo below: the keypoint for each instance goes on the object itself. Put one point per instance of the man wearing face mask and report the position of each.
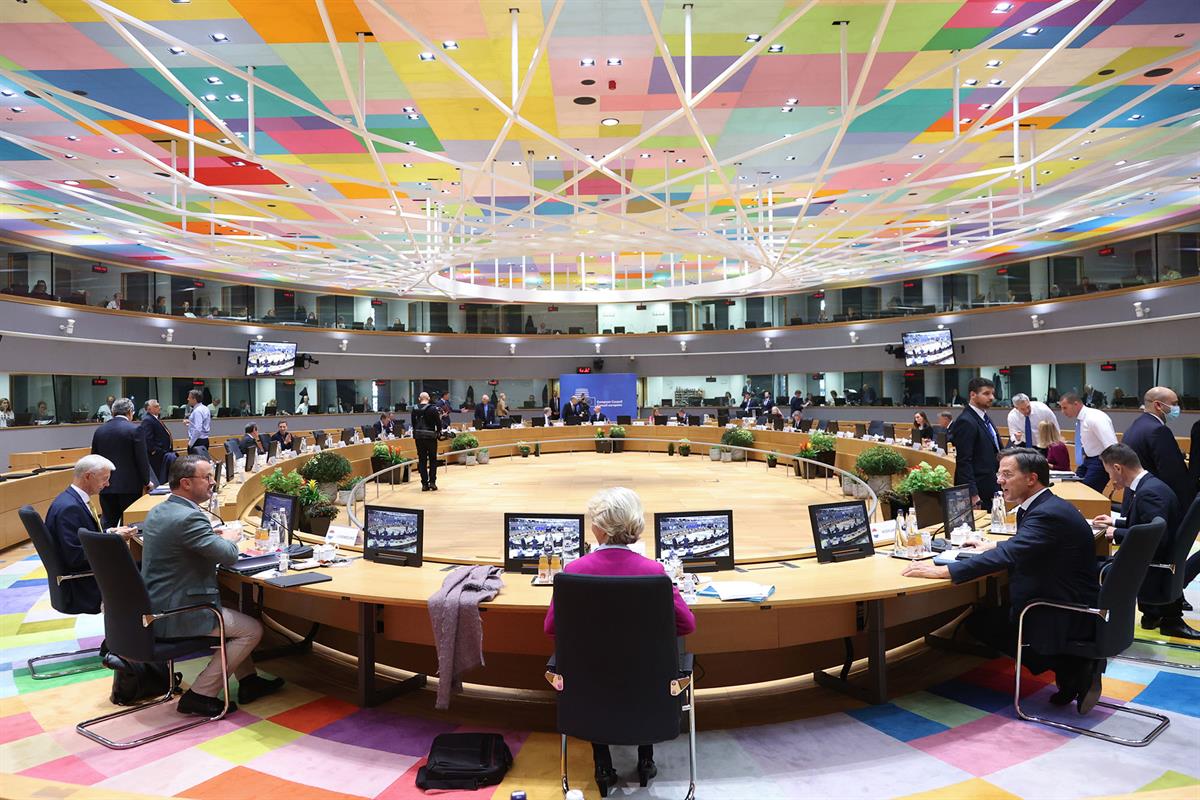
(1155, 444)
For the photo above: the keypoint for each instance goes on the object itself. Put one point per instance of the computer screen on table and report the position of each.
(841, 530)
(230, 465)
(393, 535)
(702, 540)
(279, 514)
(529, 536)
(957, 509)
(251, 455)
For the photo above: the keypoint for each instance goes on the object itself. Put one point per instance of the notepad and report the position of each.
(947, 557)
(738, 590)
(288, 581)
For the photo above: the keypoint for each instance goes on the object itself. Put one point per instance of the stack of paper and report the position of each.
(738, 590)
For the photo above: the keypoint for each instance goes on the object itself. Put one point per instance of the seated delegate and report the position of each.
(617, 521)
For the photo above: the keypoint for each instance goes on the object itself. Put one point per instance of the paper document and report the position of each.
(738, 590)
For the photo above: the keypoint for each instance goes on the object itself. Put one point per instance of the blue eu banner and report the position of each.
(613, 393)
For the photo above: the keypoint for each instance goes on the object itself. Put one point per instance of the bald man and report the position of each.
(1152, 439)
(426, 423)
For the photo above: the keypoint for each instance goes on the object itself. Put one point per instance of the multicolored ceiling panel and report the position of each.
(591, 149)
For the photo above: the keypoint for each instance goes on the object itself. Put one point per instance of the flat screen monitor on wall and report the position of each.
(924, 348)
(265, 359)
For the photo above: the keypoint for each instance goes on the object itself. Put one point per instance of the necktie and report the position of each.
(1020, 514)
(1029, 431)
(1078, 442)
(1127, 503)
(95, 516)
(992, 430)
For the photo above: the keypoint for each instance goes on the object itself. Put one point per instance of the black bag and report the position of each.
(465, 761)
(134, 680)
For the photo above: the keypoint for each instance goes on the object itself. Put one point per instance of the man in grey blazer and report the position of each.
(180, 555)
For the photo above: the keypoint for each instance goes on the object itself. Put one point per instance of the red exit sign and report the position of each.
(99, 381)
(99, 268)
(198, 284)
(552, 308)
(1108, 366)
(583, 370)
(1106, 251)
(197, 383)
(1005, 371)
(1002, 271)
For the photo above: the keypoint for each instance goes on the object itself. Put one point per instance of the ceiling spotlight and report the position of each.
(645, 155)
(984, 106)
(512, 348)
(789, 158)
(754, 37)
(176, 51)
(68, 327)
(68, 156)
(233, 98)
(71, 183)
(1134, 117)
(1034, 31)
(343, 344)
(887, 180)
(1002, 8)
(1121, 163)
(215, 80)
(218, 37)
(552, 157)
(427, 347)
(1037, 321)
(1074, 158)
(965, 121)
(1139, 310)
(996, 82)
(168, 335)
(681, 161)
(767, 343)
(787, 109)
(613, 62)
(971, 82)
(414, 116)
(941, 326)
(597, 346)
(1045, 172)
(775, 48)
(72, 138)
(16, 109)
(515, 163)
(408, 110)
(609, 122)
(853, 337)
(7, 92)
(587, 62)
(683, 347)
(995, 62)
(427, 56)
(918, 156)
(449, 44)
(209, 98)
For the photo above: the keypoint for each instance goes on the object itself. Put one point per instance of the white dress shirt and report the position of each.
(1096, 431)
(199, 423)
(987, 423)
(104, 413)
(1024, 506)
(1038, 411)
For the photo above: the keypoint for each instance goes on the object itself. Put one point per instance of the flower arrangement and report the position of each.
(925, 478)
(280, 483)
(464, 441)
(821, 442)
(685, 447)
(880, 461)
(326, 467)
(523, 449)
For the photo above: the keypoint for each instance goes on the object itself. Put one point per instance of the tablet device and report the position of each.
(279, 514)
(251, 454)
(957, 509)
(841, 531)
(529, 536)
(702, 540)
(393, 535)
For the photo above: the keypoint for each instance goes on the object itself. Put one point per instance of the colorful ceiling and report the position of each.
(591, 149)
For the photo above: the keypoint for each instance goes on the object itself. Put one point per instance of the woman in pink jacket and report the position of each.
(617, 521)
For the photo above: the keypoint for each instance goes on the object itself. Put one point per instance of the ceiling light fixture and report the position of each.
(994, 63)
(645, 155)
(427, 56)
(1121, 163)
(789, 158)
(515, 163)
(984, 106)
(16, 109)
(72, 138)
(787, 109)
(209, 98)
(996, 82)
(971, 82)
(71, 183)
(176, 51)
(614, 62)
(233, 98)
(681, 161)
(1002, 8)
(1034, 31)
(449, 44)
(68, 156)
(414, 116)
(1134, 117)
(587, 62)
(609, 122)
(552, 157)
(775, 48)
(408, 110)
(918, 156)
(754, 37)
(215, 80)
(219, 38)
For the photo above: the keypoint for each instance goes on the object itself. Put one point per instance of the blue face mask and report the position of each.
(1172, 412)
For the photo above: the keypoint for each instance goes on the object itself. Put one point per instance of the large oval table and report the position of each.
(845, 615)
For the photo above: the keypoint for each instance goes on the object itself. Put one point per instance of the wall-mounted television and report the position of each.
(264, 359)
(925, 348)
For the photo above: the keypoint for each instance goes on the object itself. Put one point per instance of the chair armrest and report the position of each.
(149, 619)
(62, 578)
(1080, 608)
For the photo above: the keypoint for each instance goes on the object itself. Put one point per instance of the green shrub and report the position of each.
(350, 483)
(737, 437)
(924, 478)
(879, 461)
(326, 467)
(309, 495)
(321, 510)
(464, 441)
(820, 442)
(599, 433)
(616, 432)
(280, 483)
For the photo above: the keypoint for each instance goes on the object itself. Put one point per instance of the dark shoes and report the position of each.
(1150, 622)
(433, 487)
(1179, 629)
(202, 705)
(255, 687)
(1090, 694)
(606, 778)
(646, 770)
(1065, 695)
(424, 487)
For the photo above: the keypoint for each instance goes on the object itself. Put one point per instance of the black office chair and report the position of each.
(624, 419)
(368, 432)
(618, 676)
(875, 427)
(831, 426)
(128, 617)
(806, 425)
(232, 446)
(1164, 583)
(1115, 612)
(61, 601)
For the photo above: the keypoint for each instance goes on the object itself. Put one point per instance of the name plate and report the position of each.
(342, 535)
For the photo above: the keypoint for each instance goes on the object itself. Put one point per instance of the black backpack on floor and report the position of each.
(465, 761)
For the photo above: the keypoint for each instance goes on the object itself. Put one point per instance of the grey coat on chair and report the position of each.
(180, 555)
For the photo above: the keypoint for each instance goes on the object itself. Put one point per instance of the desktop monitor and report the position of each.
(841, 531)
(619, 329)
(218, 467)
(347, 435)
(393, 535)
(251, 455)
(272, 448)
(661, 328)
(230, 464)
(860, 429)
(831, 426)
(270, 359)
(624, 419)
(527, 537)
(889, 430)
(923, 348)
(693, 419)
(537, 422)
(660, 419)
(279, 514)
(702, 540)
(957, 509)
(806, 425)
(943, 440)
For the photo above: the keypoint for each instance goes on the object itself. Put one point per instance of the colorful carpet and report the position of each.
(958, 739)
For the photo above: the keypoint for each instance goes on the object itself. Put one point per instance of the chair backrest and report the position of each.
(124, 594)
(47, 550)
(1119, 591)
(232, 446)
(1161, 586)
(615, 647)
(368, 432)
(875, 427)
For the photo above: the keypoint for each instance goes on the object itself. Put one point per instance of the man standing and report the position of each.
(869, 398)
(976, 443)
(284, 437)
(570, 411)
(104, 412)
(1156, 447)
(69, 512)
(119, 440)
(485, 413)
(1093, 432)
(796, 403)
(1146, 497)
(426, 422)
(443, 409)
(180, 555)
(1024, 419)
(767, 402)
(157, 441)
(1051, 557)
(749, 402)
(199, 424)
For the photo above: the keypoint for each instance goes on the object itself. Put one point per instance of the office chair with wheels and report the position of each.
(62, 599)
(1164, 584)
(1115, 611)
(619, 676)
(128, 632)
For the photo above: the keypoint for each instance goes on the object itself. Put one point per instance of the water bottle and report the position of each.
(999, 513)
(688, 590)
(283, 562)
(901, 532)
(575, 794)
(214, 504)
(272, 539)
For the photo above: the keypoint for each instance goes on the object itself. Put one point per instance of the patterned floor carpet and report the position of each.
(957, 739)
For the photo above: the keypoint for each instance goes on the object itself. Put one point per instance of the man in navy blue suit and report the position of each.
(1146, 497)
(976, 443)
(157, 441)
(119, 440)
(1156, 447)
(485, 413)
(1051, 557)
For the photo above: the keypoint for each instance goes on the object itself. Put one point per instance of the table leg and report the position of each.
(368, 694)
(875, 689)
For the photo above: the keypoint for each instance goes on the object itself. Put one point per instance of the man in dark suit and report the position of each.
(69, 512)
(869, 398)
(1051, 557)
(119, 440)
(485, 413)
(444, 408)
(426, 422)
(250, 440)
(797, 402)
(1156, 447)
(749, 402)
(1146, 497)
(976, 443)
(285, 438)
(157, 441)
(570, 411)
(386, 425)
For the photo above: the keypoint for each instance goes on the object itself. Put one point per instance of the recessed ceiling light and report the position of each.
(218, 37)
(112, 177)
(971, 82)
(406, 165)
(515, 163)
(995, 62)
(414, 116)
(115, 150)
(1121, 163)
(238, 163)
(1045, 172)
(72, 138)
(209, 98)
(608, 122)
(71, 183)
(965, 121)
(1074, 158)
(552, 157)
(1135, 117)
(223, 140)
(181, 2)
(754, 37)
(887, 180)
(68, 156)
(787, 109)
(645, 155)
(614, 62)
(215, 80)
(791, 101)
(1194, 88)
(7, 92)
(681, 161)
(1002, 8)
(775, 48)
(587, 62)
(789, 158)
(996, 82)
(427, 56)
(449, 44)
(408, 109)
(233, 98)
(1034, 31)
(918, 156)
(176, 51)
(984, 106)
(774, 177)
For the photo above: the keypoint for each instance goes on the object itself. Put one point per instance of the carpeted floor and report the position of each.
(957, 739)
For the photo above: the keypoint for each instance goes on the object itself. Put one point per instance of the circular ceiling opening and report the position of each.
(1158, 73)
(1106, 72)
(588, 82)
(584, 101)
(79, 92)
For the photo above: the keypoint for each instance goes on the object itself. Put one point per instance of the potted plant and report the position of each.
(328, 469)
(892, 503)
(922, 486)
(603, 445)
(803, 468)
(671, 449)
(280, 483)
(351, 487)
(464, 441)
(617, 434)
(381, 457)
(714, 452)
(726, 453)
(878, 464)
(823, 450)
(523, 449)
(736, 438)
(320, 515)
(685, 448)
(482, 456)
(772, 460)
(307, 495)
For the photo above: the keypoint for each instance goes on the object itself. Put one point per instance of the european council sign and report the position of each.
(613, 393)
